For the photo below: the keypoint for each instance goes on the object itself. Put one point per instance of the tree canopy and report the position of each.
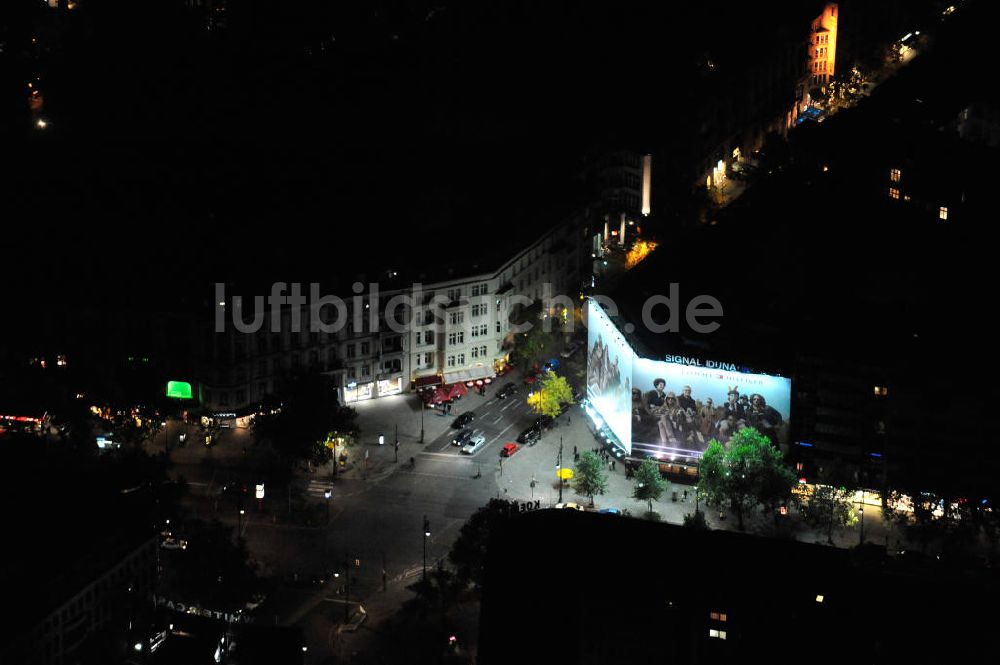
(590, 476)
(549, 397)
(827, 508)
(751, 472)
(309, 412)
(649, 483)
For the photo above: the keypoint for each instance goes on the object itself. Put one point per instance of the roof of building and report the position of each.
(614, 589)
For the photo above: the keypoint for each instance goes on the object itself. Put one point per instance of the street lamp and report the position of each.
(861, 514)
(347, 589)
(427, 534)
(558, 467)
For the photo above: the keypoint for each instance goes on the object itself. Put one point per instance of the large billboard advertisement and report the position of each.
(678, 408)
(609, 372)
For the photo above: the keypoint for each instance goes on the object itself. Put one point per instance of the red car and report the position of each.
(508, 449)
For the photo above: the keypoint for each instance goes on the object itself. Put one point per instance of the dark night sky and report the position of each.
(305, 140)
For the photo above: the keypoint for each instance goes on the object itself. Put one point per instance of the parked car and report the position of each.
(542, 422)
(571, 506)
(529, 437)
(476, 441)
(508, 389)
(463, 420)
(508, 449)
(462, 437)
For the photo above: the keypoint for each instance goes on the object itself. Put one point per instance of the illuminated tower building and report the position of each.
(823, 46)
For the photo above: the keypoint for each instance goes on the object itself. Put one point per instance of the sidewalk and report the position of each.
(538, 462)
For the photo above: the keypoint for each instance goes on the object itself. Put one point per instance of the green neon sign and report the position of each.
(179, 389)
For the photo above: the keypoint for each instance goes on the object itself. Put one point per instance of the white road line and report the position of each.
(502, 433)
(512, 403)
(494, 422)
(449, 455)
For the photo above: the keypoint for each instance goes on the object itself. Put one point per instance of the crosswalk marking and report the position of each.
(318, 488)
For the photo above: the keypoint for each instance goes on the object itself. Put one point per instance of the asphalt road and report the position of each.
(374, 524)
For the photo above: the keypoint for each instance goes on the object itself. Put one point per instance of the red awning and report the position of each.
(431, 380)
(457, 389)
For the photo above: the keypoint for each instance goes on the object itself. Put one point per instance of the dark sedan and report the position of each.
(463, 420)
(529, 437)
(462, 437)
(507, 390)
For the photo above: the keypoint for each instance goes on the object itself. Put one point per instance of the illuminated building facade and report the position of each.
(466, 339)
(823, 46)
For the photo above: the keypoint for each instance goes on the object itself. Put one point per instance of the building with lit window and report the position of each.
(105, 585)
(456, 327)
(823, 47)
(649, 592)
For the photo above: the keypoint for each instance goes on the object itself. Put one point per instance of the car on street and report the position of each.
(529, 437)
(542, 422)
(571, 506)
(475, 443)
(508, 389)
(463, 420)
(508, 449)
(462, 437)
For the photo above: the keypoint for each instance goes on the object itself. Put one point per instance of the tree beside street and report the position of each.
(750, 472)
(590, 476)
(299, 428)
(530, 346)
(649, 483)
(550, 395)
(468, 553)
(827, 508)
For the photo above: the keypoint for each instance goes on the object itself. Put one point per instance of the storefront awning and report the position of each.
(422, 381)
(469, 374)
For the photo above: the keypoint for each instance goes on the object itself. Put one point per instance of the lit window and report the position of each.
(895, 175)
(943, 213)
(893, 193)
(718, 634)
(881, 391)
(819, 598)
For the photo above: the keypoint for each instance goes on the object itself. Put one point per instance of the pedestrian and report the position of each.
(685, 495)
(569, 419)
(574, 452)
(612, 465)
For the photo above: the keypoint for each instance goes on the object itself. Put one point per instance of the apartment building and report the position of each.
(396, 335)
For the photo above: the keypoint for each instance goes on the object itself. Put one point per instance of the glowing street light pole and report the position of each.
(559, 468)
(427, 534)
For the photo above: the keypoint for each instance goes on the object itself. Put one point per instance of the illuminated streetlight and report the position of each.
(41, 123)
(427, 534)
